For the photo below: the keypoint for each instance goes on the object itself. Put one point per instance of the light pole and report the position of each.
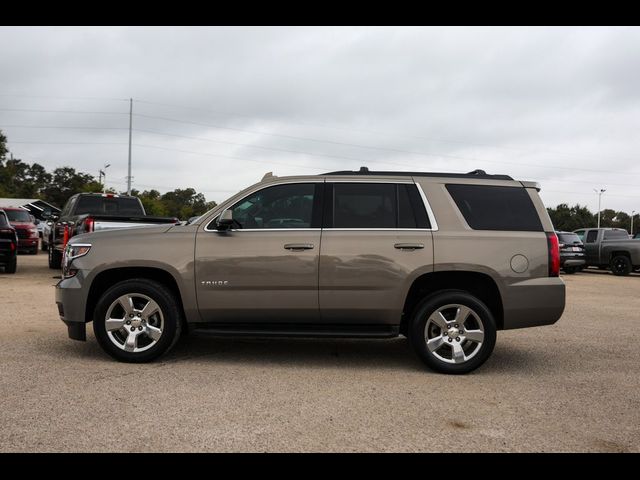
(103, 174)
(599, 192)
(633, 212)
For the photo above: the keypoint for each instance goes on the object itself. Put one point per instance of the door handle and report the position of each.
(408, 246)
(298, 246)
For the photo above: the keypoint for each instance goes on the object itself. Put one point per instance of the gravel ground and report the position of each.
(573, 386)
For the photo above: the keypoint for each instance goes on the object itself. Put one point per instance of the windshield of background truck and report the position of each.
(108, 206)
(21, 216)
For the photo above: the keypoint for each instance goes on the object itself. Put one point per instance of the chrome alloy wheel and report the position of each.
(454, 333)
(134, 322)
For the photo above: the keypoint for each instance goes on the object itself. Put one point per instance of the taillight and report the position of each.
(88, 224)
(554, 254)
(12, 246)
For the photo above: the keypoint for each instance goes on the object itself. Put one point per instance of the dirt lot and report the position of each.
(573, 386)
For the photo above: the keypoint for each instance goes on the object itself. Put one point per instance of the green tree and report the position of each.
(569, 218)
(185, 203)
(3, 146)
(65, 181)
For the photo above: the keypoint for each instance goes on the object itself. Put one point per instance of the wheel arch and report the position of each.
(481, 285)
(109, 277)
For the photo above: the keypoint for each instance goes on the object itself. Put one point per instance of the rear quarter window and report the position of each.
(488, 207)
(615, 235)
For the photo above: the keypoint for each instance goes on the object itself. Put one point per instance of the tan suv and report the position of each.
(443, 259)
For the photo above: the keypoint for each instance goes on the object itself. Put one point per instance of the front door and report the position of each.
(265, 268)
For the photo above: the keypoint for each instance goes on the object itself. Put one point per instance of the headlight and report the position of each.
(71, 252)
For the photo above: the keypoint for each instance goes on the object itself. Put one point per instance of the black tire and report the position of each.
(44, 246)
(621, 265)
(430, 305)
(569, 270)
(55, 258)
(170, 311)
(34, 250)
(12, 266)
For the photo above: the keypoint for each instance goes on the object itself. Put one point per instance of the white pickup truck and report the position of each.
(90, 212)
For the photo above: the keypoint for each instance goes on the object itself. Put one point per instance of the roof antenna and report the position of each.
(477, 172)
(363, 170)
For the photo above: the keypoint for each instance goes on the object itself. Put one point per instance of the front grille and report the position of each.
(22, 233)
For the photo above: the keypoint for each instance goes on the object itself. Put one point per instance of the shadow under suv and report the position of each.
(444, 259)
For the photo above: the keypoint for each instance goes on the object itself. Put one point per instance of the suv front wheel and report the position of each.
(137, 320)
(452, 332)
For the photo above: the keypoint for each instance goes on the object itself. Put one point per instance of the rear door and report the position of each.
(374, 236)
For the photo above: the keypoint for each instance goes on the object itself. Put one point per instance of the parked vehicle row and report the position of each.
(610, 248)
(93, 212)
(8, 245)
(444, 259)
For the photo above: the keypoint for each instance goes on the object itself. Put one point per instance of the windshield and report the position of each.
(18, 216)
(569, 238)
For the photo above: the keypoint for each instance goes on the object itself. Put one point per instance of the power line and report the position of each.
(69, 143)
(63, 98)
(29, 110)
(376, 132)
(225, 156)
(63, 127)
(369, 147)
(591, 194)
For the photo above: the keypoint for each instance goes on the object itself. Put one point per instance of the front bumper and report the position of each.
(71, 301)
(532, 303)
(27, 243)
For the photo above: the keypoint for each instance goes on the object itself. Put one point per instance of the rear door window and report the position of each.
(592, 236)
(377, 205)
(488, 207)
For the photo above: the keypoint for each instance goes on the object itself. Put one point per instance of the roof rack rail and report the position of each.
(473, 174)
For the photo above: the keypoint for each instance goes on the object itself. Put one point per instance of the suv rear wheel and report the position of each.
(452, 332)
(137, 320)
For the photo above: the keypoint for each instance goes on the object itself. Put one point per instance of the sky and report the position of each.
(217, 108)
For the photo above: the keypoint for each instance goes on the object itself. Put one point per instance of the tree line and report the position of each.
(569, 218)
(19, 179)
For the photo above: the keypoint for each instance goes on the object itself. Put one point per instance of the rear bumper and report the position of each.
(533, 303)
(573, 262)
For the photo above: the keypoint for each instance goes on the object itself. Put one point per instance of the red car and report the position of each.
(25, 227)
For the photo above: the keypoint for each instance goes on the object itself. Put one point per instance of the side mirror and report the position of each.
(53, 217)
(36, 221)
(225, 220)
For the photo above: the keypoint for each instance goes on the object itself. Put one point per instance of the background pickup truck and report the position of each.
(91, 212)
(611, 247)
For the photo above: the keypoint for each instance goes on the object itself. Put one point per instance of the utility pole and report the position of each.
(633, 212)
(599, 192)
(130, 125)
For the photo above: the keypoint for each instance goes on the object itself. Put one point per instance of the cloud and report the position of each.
(557, 105)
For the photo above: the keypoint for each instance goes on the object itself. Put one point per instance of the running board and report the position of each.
(296, 330)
